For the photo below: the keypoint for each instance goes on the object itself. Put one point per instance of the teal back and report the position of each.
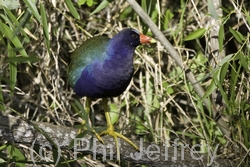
(89, 52)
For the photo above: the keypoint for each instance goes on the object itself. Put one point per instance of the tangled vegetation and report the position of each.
(160, 103)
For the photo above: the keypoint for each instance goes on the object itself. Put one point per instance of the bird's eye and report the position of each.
(134, 36)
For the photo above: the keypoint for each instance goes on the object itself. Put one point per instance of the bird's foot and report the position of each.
(98, 136)
(110, 131)
(87, 127)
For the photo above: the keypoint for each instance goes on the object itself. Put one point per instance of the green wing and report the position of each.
(90, 51)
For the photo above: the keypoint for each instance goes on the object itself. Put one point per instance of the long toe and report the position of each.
(110, 131)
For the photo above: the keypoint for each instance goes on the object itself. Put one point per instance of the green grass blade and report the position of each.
(168, 16)
(114, 113)
(221, 37)
(103, 4)
(237, 35)
(32, 7)
(13, 70)
(195, 34)
(14, 24)
(223, 72)
(72, 9)
(16, 42)
(16, 155)
(21, 59)
(45, 26)
(210, 89)
(2, 108)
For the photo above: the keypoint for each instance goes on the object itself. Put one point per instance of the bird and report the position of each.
(103, 68)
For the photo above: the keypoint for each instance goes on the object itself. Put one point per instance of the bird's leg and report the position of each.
(110, 130)
(87, 108)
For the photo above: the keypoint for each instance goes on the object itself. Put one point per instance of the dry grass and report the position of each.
(160, 103)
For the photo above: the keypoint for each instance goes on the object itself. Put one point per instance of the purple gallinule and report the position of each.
(103, 67)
